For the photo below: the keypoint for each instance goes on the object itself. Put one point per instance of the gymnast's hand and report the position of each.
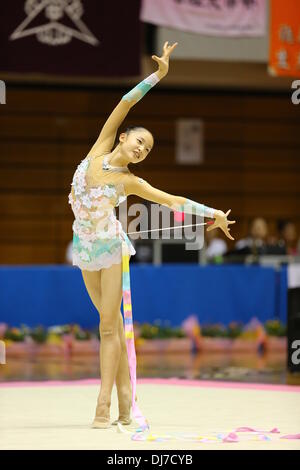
(222, 223)
(163, 61)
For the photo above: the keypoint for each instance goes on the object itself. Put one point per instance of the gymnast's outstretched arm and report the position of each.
(108, 133)
(140, 187)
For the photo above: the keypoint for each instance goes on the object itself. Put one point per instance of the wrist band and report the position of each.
(152, 79)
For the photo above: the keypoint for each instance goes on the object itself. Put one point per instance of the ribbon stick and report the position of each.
(171, 228)
(129, 336)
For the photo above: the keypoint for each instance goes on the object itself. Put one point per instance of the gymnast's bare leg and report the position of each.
(105, 290)
(123, 384)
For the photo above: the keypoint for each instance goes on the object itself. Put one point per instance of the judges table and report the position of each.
(55, 295)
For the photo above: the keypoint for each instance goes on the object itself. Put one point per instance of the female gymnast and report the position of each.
(100, 183)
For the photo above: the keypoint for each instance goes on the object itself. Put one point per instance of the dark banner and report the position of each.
(70, 37)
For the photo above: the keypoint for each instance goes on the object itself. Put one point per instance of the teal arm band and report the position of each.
(141, 89)
(192, 207)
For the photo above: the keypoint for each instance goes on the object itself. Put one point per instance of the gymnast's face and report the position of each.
(136, 144)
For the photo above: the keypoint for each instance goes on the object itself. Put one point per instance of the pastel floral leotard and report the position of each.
(97, 233)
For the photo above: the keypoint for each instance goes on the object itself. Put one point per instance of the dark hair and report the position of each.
(130, 129)
(134, 128)
(282, 224)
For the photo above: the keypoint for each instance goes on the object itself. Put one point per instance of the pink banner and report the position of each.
(214, 17)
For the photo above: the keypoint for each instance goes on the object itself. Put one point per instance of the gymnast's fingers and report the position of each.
(157, 59)
(171, 48)
(212, 226)
(225, 230)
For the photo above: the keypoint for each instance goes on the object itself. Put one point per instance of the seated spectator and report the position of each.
(216, 247)
(256, 242)
(288, 237)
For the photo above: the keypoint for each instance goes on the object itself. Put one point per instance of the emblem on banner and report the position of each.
(54, 32)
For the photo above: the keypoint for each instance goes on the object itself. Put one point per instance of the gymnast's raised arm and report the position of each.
(108, 133)
(139, 187)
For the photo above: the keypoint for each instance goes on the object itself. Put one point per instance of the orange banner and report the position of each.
(285, 38)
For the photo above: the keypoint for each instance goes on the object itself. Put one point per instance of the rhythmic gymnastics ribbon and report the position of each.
(247, 434)
(129, 336)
